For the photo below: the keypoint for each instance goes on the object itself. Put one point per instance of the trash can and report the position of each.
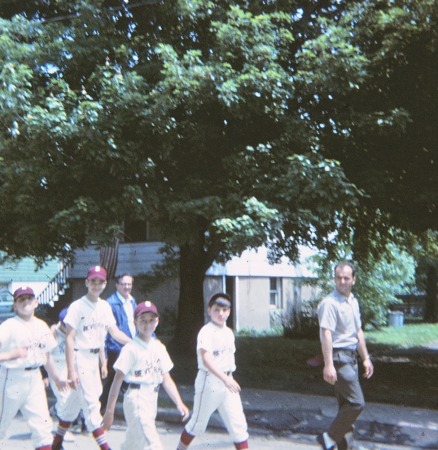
(395, 319)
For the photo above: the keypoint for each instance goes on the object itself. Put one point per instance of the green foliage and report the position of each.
(303, 323)
(250, 332)
(195, 130)
(371, 84)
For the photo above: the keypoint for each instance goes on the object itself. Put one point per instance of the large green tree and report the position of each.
(181, 113)
(372, 90)
(200, 117)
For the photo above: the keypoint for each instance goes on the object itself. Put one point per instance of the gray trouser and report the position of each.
(348, 393)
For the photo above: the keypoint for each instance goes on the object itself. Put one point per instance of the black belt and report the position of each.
(344, 356)
(32, 368)
(133, 385)
(91, 350)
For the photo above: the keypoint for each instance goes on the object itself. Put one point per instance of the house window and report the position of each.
(275, 299)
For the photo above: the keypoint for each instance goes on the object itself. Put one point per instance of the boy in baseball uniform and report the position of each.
(58, 354)
(215, 387)
(143, 365)
(87, 321)
(25, 346)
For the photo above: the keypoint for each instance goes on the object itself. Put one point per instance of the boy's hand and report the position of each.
(104, 372)
(63, 385)
(108, 419)
(73, 379)
(232, 385)
(18, 353)
(182, 408)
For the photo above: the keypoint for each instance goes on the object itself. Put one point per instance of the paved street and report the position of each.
(19, 438)
(277, 420)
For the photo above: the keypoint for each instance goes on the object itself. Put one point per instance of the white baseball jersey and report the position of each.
(143, 364)
(34, 335)
(220, 342)
(21, 384)
(91, 321)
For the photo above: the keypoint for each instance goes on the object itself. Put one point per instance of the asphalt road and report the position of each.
(19, 438)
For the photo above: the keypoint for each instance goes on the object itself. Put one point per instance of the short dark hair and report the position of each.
(346, 264)
(215, 299)
(119, 277)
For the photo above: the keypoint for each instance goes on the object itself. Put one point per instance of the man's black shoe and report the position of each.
(321, 441)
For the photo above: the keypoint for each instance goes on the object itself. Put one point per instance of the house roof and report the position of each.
(25, 270)
(138, 258)
(255, 263)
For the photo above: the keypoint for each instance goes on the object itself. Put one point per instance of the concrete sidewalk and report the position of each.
(304, 416)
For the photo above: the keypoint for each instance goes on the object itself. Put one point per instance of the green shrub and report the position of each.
(299, 324)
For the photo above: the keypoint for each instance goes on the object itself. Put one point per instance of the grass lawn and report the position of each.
(406, 370)
(408, 336)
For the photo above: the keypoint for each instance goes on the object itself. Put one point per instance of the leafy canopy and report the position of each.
(182, 113)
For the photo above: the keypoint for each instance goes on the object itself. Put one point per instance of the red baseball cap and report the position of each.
(145, 307)
(96, 272)
(23, 291)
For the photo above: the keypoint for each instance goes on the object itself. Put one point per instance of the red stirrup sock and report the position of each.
(241, 445)
(185, 440)
(62, 428)
(100, 436)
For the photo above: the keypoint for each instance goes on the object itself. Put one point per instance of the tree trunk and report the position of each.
(431, 309)
(190, 319)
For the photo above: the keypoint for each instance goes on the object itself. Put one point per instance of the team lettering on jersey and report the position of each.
(93, 327)
(37, 346)
(217, 353)
(61, 348)
(153, 367)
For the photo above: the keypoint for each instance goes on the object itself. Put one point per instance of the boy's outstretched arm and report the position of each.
(172, 391)
(70, 357)
(118, 335)
(113, 395)
(13, 354)
(62, 385)
(103, 363)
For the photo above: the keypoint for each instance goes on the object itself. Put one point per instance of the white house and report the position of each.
(262, 292)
